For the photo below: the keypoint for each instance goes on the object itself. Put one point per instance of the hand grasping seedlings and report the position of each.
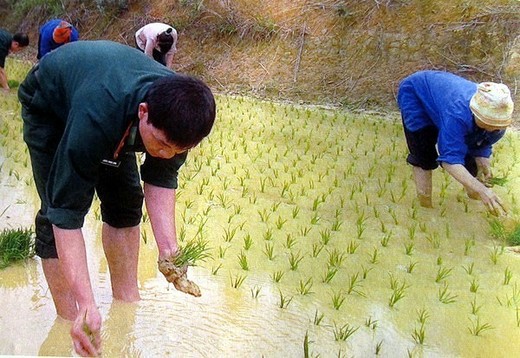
(175, 267)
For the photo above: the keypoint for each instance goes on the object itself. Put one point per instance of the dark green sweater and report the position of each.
(5, 44)
(94, 88)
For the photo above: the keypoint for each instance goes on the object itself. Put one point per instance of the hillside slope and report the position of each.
(352, 53)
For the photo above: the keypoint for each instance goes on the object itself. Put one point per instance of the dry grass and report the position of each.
(352, 53)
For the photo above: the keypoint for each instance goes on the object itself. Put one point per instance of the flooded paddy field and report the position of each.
(317, 247)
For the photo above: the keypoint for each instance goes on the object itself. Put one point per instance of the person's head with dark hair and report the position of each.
(177, 113)
(165, 40)
(20, 40)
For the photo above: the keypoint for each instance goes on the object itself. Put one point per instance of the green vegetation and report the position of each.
(192, 252)
(310, 212)
(15, 245)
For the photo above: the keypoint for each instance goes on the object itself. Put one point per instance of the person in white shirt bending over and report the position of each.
(158, 41)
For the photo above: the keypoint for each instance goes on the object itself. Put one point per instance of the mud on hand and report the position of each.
(177, 276)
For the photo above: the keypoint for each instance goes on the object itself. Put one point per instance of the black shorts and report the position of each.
(422, 146)
(423, 151)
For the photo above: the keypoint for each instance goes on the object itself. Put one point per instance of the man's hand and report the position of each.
(85, 332)
(178, 276)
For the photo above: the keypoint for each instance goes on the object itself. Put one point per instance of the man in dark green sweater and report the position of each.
(9, 44)
(87, 107)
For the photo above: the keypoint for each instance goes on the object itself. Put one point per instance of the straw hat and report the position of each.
(492, 104)
(61, 33)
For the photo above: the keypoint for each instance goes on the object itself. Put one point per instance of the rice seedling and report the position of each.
(242, 260)
(248, 242)
(215, 270)
(325, 236)
(468, 244)
(344, 332)
(398, 293)
(508, 275)
(509, 235)
(352, 247)
(191, 252)
(316, 249)
(15, 245)
(222, 252)
(290, 241)
(284, 301)
(336, 225)
(354, 286)
(315, 219)
(474, 286)
(280, 223)
(408, 248)
(294, 260)
(477, 327)
(329, 274)
(338, 298)
(318, 317)
(379, 347)
(306, 345)
(237, 280)
(365, 271)
(295, 212)
(469, 268)
(304, 231)
(268, 235)
(255, 291)
(336, 258)
(229, 233)
(264, 215)
(411, 266)
(277, 276)
(442, 274)
(445, 295)
(269, 250)
(385, 240)
(374, 257)
(371, 323)
(493, 256)
(304, 288)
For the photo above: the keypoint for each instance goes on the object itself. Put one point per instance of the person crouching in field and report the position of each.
(464, 119)
(83, 120)
(53, 34)
(10, 44)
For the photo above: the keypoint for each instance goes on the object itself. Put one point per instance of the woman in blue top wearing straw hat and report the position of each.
(453, 122)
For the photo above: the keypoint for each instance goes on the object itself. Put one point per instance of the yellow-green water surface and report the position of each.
(314, 232)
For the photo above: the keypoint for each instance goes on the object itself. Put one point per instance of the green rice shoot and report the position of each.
(192, 252)
(15, 245)
(511, 236)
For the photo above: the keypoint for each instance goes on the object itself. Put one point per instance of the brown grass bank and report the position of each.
(352, 53)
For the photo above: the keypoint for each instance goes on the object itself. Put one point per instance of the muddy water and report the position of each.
(328, 192)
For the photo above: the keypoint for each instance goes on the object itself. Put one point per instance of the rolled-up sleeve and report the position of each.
(162, 172)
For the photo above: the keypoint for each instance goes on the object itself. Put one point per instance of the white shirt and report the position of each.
(146, 39)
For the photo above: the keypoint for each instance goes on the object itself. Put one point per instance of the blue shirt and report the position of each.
(442, 99)
(46, 42)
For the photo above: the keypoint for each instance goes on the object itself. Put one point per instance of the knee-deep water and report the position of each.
(317, 245)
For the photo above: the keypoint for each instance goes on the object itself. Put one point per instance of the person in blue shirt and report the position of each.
(54, 34)
(454, 122)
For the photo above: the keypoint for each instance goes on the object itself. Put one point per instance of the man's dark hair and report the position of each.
(183, 107)
(165, 40)
(21, 38)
